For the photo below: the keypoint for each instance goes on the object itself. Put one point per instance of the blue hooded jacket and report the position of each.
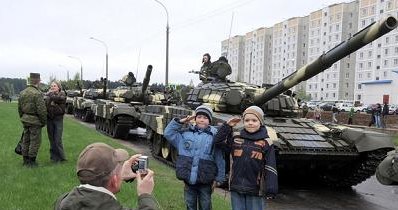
(198, 162)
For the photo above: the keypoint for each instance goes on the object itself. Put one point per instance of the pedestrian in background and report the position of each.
(317, 113)
(378, 115)
(351, 115)
(253, 171)
(199, 164)
(33, 114)
(385, 112)
(55, 103)
(335, 111)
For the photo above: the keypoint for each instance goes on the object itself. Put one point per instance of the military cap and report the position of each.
(34, 76)
(387, 171)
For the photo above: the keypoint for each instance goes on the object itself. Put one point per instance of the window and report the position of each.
(359, 86)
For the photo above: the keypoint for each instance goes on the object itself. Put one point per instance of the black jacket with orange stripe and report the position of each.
(253, 170)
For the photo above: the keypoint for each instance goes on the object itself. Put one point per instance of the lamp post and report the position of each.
(167, 43)
(81, 68)
(106, 63)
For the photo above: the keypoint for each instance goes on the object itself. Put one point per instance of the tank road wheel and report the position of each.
(165, 149)
(69, 109)
(156, 142)
(112, 128)
(97, 121)
(174, 154)
(107, 126)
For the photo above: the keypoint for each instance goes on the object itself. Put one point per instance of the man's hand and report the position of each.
(187, 119)
(145, 184)
(233, 121)
(127, 173)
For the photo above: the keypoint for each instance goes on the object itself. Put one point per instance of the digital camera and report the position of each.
(141, 166)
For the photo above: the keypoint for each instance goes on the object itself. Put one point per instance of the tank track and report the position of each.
(115, 129)
(158, 157)
(366, 167)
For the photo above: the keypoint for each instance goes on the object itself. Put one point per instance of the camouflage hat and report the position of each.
(98, 160)
(34, 76)
(387, 171)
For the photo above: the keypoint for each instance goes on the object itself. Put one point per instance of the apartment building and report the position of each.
(328, 27)
(258, 49)
(234, 50)
(289, 49)
(377, 63)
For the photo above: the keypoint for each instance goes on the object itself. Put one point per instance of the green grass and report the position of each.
(395, 140)
(38, 188)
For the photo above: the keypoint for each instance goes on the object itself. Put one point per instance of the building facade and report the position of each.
(234, 50)
(290, 40)
(258, 45)
(376, 63)
(328, 27)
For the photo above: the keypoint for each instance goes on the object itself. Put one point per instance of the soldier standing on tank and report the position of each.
(206, 65)
(33, 114)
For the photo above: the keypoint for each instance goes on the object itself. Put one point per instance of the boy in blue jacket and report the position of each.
(199, 163)
(253, 174)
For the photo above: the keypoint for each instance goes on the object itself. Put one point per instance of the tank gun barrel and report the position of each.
(326, 60)
(146, 79)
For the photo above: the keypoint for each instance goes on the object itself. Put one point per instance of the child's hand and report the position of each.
(233, 121)
(187, 119)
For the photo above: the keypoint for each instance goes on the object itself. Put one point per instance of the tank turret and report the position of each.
(233, 97)
(133, 91)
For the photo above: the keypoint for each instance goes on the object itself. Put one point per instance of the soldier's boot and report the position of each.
(26, 161)
(32, 162)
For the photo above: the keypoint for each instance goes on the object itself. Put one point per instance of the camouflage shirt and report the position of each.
(31, 106)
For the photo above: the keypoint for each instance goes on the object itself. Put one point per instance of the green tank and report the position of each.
(330, 154)
(82, 105)
(115, 117)
(70, 95)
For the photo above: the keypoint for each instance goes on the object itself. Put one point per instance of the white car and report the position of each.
(360, 108)
(392, 109)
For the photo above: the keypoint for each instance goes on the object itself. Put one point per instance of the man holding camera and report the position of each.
(101, 170)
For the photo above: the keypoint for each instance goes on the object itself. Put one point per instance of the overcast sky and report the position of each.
(39, 35)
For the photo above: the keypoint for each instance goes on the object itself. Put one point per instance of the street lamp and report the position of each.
(106, 63)
(81, 67)
(167, 43)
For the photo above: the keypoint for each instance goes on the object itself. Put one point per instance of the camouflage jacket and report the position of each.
(31, 106)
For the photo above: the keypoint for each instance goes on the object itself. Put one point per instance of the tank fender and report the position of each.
(367, 140)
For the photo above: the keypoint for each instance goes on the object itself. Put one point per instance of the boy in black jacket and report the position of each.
(253, 173)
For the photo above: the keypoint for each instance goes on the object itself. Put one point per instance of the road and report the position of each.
(369, 195)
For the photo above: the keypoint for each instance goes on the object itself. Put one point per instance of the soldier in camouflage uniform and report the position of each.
(204, 70)
(33, 114)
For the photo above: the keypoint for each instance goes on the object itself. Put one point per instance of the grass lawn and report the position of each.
(37, 189)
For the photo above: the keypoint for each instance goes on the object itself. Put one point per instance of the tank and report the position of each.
(82, 105)
(328, 154)
(115, 117)
(70, 95)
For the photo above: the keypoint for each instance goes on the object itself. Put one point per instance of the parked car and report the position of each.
(393, 109)
(312, 104)
(344, 106)
(327, 106)
(362, 108)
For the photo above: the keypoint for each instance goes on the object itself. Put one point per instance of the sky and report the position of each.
(52, 36)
